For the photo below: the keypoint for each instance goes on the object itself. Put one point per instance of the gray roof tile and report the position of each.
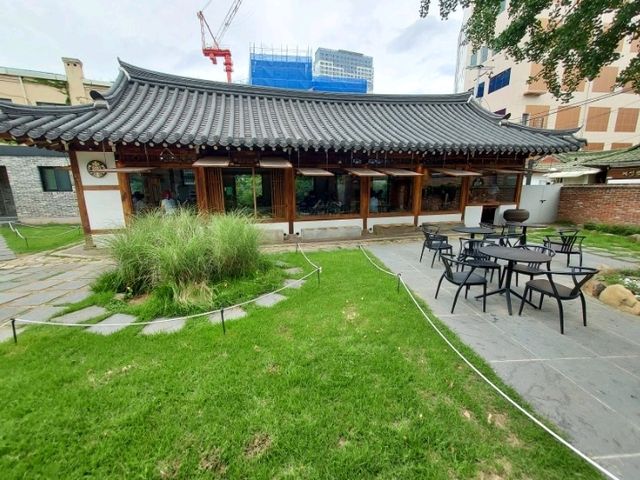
(147, 106)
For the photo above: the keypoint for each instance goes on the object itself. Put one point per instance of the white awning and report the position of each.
(211, 162)
(315, 172)
(399, 172)
(456, 173)
(275, 164)
(572, 173)
(365, 172)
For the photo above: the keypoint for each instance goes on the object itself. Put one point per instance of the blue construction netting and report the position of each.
(343, 85)
(281, 71)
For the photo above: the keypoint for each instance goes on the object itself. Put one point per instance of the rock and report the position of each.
(635, 237)
(119, 297)
(594, 287)
(621, 298)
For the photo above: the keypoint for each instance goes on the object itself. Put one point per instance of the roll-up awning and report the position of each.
(456, 173)
(126, 170)
(505, 171)
(275, 164)
(211, 162)
(365, 172)
(315, 172)
(573, 173)
(399, 172)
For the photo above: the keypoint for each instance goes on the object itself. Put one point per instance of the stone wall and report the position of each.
(32, 203)
(610, 204)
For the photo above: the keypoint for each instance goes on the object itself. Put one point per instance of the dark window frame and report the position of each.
(500, 80)
(60, 175)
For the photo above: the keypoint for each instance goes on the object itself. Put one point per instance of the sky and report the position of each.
(411, 55)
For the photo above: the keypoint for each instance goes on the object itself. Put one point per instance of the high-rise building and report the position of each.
(343, 64)
(606, 115)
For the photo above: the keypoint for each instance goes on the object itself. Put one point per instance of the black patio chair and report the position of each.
(566, 243)
(547, 286)
(464, 279)
(470, 254)
(434, 242)
(533, 268)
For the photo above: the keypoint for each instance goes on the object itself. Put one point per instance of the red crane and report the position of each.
(213, 50)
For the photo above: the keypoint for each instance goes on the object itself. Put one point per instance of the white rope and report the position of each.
(186, 317)
(490, 383)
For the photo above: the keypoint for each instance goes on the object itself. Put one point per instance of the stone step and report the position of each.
(106, 327)
(293, 271)
(81, 315)
(291, 283)
(270, 300)
(230, 314)
(163, 325)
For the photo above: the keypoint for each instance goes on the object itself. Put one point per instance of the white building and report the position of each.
(343, 64)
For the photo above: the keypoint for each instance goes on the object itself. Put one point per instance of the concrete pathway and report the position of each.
(587, 381)
(5, 252)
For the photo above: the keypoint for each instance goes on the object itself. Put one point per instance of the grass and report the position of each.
(342, 380)
(41, 238)
(629, 278)
(614, 243)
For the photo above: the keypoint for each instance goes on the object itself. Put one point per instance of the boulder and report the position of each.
(621, 298)
(594, 287)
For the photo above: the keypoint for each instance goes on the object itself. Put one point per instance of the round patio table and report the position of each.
(524, 226)
(512, 256)
(472, 231)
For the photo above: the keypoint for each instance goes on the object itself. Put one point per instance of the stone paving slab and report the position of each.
(81, 315)
(230, 314)
(37, 298)
(73, 297)
(8, 312)
(6, 297)
(41, 314)
(104, 327)
(293, 271)
(270, 300)
(73, 285)
(291, 283)
(161, 325)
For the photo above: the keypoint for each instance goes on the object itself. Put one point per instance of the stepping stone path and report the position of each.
(5, 251)
(293, 271)
(73, 297)
(40, 314)
(281, 264)
(163, 325)
(80, 315)
(106, 326)
(269, 300)
(291, 283)
(231, 314)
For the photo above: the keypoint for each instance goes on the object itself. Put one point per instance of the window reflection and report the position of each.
(256, 191)
(495, 188)
(441, 193)
(329, 195)
(391, 194)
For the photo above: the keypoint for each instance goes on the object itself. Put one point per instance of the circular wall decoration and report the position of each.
(96, 168)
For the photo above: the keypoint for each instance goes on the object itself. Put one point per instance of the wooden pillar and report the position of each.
(290, 197)
(466, 185)
(417, 194)
(365, 192)
(82, 205)
(518, 190)
(201, 189)
(125, 194)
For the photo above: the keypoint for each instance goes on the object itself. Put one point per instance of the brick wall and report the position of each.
(32, 203)
(610, 204)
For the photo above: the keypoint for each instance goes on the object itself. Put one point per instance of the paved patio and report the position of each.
(587, 381)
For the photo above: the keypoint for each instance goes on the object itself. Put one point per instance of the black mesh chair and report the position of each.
(470, 254)
(464, 279)
(566, 243)
(434, 242)
(548, 286)
(533, 268)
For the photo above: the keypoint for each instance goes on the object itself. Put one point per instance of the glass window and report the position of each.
(441, 193)
(55, 179)
(391, 194)
(337, 195)
(257, 191)
(149, 189)
(480, 92)
(501, 80)
(493, 189)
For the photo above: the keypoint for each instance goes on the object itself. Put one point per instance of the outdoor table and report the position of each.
(513, 256)
(473, 230)
(524, 227)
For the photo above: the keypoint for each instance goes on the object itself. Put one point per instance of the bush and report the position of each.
(186, 252)
(613, 229)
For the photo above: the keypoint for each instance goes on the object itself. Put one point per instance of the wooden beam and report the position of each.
(365, 192)
(125, 194)
(201, 189)
(518, 190)
(82, 206)
(464, 191)
(97, 188)
(417, 194)
(290, 197)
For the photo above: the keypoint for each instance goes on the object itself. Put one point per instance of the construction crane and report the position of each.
(213, 50)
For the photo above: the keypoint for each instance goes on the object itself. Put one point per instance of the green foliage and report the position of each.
(614, 229)
(575, 37)
(186, 253)
(40, 238)
(629, 278)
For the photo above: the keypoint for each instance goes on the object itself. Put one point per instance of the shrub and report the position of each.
(185, 252)
(613, 229)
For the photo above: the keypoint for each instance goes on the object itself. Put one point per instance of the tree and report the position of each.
(571, 39)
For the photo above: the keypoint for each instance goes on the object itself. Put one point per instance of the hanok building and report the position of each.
(298, 160)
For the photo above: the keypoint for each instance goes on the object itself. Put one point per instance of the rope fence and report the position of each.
(495, 387)
(14, 228)
(316, 271)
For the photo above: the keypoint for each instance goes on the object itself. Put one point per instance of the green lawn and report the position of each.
(342, 380)
(41, 237)
(614, 243)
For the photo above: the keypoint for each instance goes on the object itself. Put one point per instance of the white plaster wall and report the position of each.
(344, 222)
(283, 226)
(104, 208)
(450, 217)
(85, 157)
(371, 221)
(541, 201)
(472, 215)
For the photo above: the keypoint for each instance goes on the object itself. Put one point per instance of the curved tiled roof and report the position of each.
(151, 107)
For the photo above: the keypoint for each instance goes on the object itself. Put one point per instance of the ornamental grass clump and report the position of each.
(187, 253)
